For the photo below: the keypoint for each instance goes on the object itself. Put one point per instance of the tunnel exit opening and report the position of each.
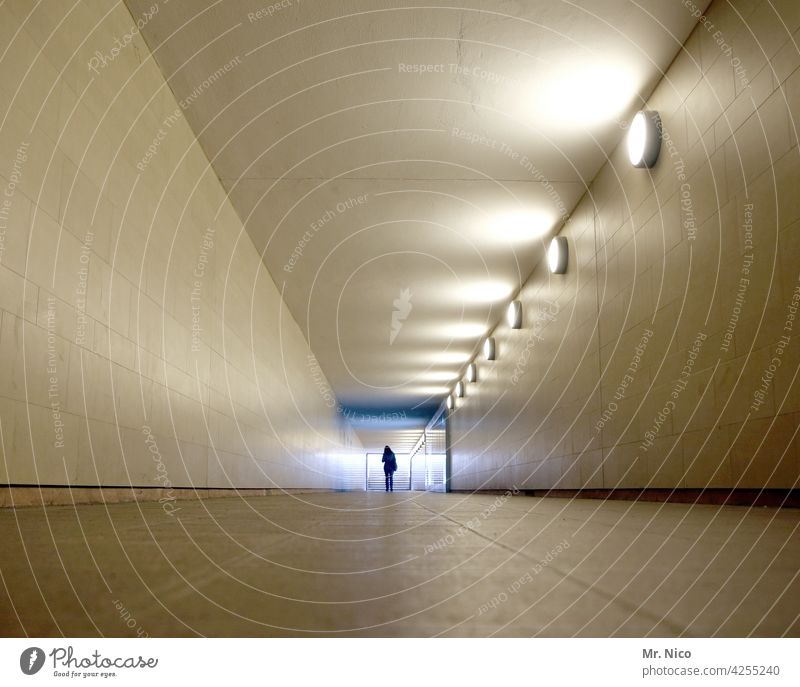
(421, 472)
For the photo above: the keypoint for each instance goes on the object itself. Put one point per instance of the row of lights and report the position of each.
(644, 145)
(557, 258)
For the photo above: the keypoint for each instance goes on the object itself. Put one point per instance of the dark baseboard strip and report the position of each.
(16, 496)
(773, 498)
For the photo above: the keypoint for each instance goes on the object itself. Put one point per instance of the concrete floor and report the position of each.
(400, 564)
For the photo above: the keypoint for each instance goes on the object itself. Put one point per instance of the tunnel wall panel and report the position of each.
(142, 341)
(667, 356)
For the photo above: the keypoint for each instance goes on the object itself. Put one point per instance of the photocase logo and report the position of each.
(31, 660)
(402, 309)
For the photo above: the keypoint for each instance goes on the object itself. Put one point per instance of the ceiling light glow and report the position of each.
(450, 357)
(453, 330)
(485, 292)
(580, 93)
(426, 390)
(437, 376)
(466, 330)
(521, 226)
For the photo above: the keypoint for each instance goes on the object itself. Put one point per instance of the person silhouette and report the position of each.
(389, 467)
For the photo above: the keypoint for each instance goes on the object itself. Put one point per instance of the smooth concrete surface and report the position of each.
(413, 564)
(14, 497)
(380, 151)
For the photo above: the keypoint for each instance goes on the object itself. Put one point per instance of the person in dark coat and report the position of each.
(389, 467)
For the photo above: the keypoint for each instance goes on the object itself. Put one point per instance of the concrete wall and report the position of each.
(648, 364)
(141, 338)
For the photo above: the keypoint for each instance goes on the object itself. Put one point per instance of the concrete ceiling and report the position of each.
(412, 158)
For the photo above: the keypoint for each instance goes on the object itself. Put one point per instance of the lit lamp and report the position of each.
(489, 349)
(472, 372)
(514, 314)
(460, 389)
(644, 138)
(450, 402)
(557, 255)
